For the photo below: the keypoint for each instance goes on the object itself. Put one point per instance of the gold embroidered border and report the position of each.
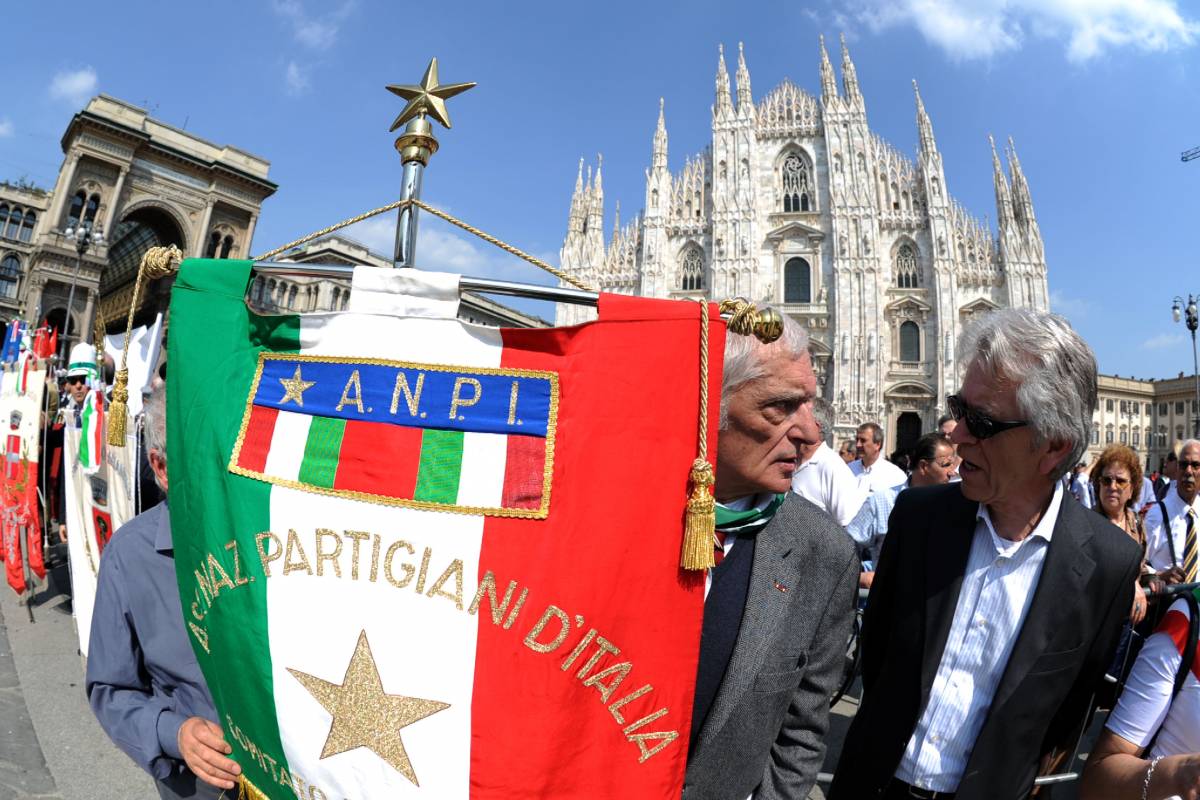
(518, 513)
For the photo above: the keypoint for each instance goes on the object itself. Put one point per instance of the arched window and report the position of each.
(27, 227)
(692, 274)
(3, 217)
(797, 189)
(345, 299)
(1108, 435)
(93, 205)
(269, 297)
(14, 224)
(214, 241)
(76, 212)
(292, 298)
(1095, 434)
(797, 281)
(226, 246)
(280, 294)
(10, 274)
(256, 290)
(910, 341)
(337, 298)
(907, 274)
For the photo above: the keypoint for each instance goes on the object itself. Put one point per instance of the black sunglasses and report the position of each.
(978, 423)
(75, 379)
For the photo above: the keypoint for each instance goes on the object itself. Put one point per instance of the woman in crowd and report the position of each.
(1114, 476)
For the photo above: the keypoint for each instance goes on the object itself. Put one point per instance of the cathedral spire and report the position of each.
(659, 160)
(828, 82)
(849, 75)
(1022, 201)
(575, 219)
(745, 98)
(724, 106)
(924, 126)
(598, 186)
(1004, 209)
(616, 223)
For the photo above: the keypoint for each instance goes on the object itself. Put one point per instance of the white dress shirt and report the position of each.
(997, 590)
(1147, 494)
(826, 481)
(1081, 487)
(1146, 704)
(881, 475)
(1158, 549)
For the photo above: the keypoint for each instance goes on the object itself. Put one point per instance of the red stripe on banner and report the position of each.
(607, 557)
(524, 472)
(1175, 625)
(257, 443)
(379, 458)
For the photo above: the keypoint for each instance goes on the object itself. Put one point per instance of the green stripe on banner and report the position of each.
(85, 456)
(215, 340)
(320, 463)
(441, 464)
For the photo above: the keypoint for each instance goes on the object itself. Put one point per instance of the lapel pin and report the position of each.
(781, 587)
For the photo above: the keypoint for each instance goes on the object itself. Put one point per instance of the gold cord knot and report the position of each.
(118, 409)
(745, 319)
(158, 262)
(701, 519)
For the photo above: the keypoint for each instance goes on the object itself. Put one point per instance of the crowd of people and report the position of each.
(1004, 584)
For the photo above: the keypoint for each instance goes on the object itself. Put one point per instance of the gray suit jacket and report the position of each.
(765, 732)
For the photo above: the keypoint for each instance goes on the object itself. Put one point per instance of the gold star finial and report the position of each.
(363, 715)
(294, 388)
(428, 98)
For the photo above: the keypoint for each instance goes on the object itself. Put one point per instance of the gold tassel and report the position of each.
(248, 791)
(157, 262)
(698, 550)
(118, 409)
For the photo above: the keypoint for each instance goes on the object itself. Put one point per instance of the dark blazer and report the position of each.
(766, 727)
(1083, 595)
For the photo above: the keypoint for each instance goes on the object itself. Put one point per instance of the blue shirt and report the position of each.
(870, 524)
(143, 681)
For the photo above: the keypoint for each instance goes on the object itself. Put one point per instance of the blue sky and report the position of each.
(1100, 98)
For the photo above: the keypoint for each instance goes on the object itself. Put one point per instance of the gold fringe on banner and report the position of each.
(157, 262)
(701, 517)
(248, 791)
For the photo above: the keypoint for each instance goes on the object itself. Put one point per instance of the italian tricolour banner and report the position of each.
(21, 393)
(422, 558)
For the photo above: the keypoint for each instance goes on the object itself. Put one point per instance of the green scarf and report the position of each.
(750, 520)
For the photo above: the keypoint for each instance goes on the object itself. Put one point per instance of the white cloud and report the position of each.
(980, 29)
(296, 79)
(74, 86)
(6, 128)
(1069, 307)
(314, 32)
(1164, 341)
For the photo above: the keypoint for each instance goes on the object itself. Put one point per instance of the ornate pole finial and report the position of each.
(416, 145)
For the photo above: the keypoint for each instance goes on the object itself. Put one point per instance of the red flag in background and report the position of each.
(45, 341)
(14, 565)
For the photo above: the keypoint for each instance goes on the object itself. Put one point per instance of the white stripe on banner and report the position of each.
(484, 457)
(423, 646)
(287, 445)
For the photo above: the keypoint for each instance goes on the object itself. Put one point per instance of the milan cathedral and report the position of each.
(799, 204)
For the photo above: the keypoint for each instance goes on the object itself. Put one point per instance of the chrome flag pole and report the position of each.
(416, 144)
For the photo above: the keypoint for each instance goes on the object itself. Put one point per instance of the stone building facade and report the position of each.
(797, 202)
(1151, 416)
(141, 183)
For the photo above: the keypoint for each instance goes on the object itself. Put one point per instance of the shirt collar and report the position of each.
(162, 539)
(1044, 529)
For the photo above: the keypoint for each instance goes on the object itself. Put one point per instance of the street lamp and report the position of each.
(84, 237)
(1192, 321)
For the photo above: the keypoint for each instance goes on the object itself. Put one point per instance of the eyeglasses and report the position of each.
(76, 379)
(1113, 480)
(1189, 464)
(978, 423)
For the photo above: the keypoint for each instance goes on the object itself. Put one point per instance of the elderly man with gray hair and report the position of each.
(779, 603)
(997, 601)
(143, 682)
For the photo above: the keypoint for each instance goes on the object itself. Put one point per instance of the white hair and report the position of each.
(744, 357)
(154, 423)
(1053, 368)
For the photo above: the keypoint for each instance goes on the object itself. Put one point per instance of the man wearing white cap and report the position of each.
(81, 372)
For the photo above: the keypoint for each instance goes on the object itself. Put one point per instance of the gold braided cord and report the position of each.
(318, 234)
(508, 248)
(700, 514)
(702, 452)
(745, 319)
(157, 262)
(471, 229)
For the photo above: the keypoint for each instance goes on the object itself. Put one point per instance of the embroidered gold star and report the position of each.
(294, 388)
(429, 97)
(363, 716)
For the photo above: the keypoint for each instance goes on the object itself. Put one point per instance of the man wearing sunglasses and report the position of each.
(997, 601)
(1171, 523)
